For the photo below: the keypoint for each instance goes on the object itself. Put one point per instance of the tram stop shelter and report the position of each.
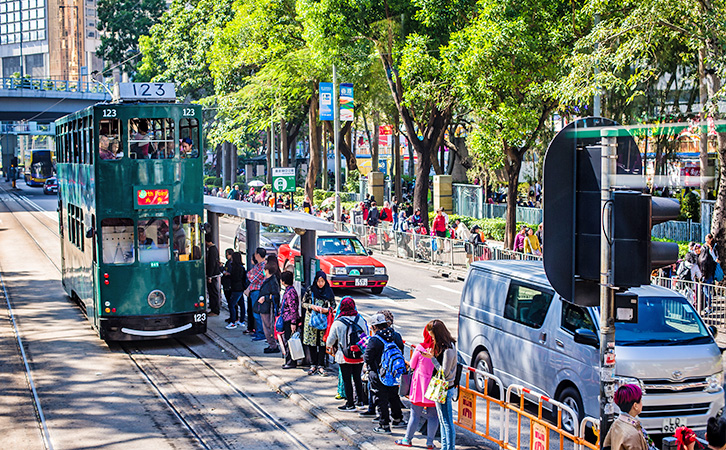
(305, 225)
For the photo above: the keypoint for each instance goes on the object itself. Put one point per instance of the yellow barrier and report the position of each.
(540, 429)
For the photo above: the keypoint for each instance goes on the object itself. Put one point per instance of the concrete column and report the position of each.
(308, 243)
(375, 186)
(253, 239)
(442, 193)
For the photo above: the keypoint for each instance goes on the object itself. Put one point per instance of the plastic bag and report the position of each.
(295, 346)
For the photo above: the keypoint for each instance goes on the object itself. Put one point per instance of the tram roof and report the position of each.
(265, 214)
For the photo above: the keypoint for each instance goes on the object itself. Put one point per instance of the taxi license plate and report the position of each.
(361, 281)
(671, 423)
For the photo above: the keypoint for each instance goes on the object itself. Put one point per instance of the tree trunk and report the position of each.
(718, 219)
(270, 155)
(314, 132)
(233, 163)
(284, 144)
(344, 144)
(514, 165)
(396, 160)
(703, 127)
(435, 162)
(411, 159)
(218, 161)
(375, 145)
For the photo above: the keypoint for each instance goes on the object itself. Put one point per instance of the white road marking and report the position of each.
(443, 304)
(444, 288)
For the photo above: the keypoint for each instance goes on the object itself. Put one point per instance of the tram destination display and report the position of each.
(147, 91)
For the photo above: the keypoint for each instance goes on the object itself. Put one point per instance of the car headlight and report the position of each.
(715, 382)
(380, 270)
(339, 271)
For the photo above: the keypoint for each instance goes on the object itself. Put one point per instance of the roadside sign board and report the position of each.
(467, 409)
(539, 438)
(283, 179)
(326, 101)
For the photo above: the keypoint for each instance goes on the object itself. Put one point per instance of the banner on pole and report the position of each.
(346, 102)
(326, 101)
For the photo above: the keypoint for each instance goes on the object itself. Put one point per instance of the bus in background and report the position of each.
(38, 166)
(130, 213)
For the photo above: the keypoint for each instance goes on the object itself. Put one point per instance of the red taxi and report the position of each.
(345, 260)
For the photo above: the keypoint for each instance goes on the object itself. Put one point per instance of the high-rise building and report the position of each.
(50, 39)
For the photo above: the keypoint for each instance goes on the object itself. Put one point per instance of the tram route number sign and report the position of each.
(149, 198)
(147, 91)
(283, 179)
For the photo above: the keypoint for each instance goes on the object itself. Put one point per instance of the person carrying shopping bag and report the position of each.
(421, 407)
(443, 357)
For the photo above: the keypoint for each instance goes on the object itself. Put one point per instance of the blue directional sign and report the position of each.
(326, 101)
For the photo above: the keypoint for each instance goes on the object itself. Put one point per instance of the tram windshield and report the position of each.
(153, 240)
(187, 237)
(118, 240)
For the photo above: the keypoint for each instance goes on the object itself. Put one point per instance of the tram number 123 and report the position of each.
(200, 317)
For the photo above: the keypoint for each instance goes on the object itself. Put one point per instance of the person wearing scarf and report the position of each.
(319, 298)
(350, 369)
(423, 371)
(626, 433)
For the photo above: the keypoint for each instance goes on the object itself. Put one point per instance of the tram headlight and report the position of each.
(156, 299)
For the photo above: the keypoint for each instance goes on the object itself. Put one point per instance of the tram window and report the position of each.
(117, 245)
(189, 138)
(151, 138)
(153, 240)
(187, 238)
(109, 138)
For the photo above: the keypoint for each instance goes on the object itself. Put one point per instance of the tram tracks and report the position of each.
(187, 408)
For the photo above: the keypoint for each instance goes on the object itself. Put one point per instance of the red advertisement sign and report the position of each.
(151, 197)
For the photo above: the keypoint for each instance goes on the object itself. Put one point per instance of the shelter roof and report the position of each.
(265, 214)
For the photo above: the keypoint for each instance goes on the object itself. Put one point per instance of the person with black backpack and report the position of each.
(384, 357)
(345, 341)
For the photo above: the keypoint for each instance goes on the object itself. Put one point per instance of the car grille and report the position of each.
(363, 270)
(688, 409)
(667, 386)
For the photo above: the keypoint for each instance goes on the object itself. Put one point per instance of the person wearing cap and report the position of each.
(385, 395)
(475, 241)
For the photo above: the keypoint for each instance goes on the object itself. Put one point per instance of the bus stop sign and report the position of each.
(283, 179)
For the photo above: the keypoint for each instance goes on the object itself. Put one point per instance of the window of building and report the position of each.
(117, 245)
(189, 138)
(109, 139)
(527, 305)
(187, 236)
(151, 138)
(153, 240)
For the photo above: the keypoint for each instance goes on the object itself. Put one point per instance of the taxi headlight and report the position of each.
(339, 271)
(156, 299)
(715, 382)
(380, 270)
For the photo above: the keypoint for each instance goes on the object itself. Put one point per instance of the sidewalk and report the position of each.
(315, 394)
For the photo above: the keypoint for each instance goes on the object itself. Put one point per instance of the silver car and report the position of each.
(271, 237)
(513, 324)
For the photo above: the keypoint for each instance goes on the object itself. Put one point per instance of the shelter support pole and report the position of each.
(213, 221)
(253, 240)
(307, 250)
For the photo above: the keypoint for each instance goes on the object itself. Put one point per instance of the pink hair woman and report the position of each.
(626, 433)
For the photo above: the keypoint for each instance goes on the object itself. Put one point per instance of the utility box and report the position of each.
(375, 186)
(442, 193)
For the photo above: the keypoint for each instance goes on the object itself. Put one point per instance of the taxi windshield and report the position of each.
(340, 246)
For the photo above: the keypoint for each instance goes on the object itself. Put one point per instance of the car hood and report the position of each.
(350, 260)
(654, 362)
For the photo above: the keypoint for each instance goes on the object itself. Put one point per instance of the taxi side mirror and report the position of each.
(370, 252)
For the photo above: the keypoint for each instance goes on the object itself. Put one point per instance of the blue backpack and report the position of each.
(393, 365)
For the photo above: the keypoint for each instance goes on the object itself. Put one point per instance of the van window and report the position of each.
(485, 290)
(527, 305)
(575, 317)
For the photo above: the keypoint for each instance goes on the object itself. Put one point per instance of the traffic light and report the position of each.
(572, 215)
(634, 254)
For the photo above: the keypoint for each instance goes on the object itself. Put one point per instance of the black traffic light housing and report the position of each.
(572, 214)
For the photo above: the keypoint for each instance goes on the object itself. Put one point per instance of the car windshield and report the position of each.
(275, 229)
(663, 321)
(340, 246)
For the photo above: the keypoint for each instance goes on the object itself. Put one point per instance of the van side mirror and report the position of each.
(713, 330)
(586, 337)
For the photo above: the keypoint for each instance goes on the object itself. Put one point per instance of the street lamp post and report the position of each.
(336, 133)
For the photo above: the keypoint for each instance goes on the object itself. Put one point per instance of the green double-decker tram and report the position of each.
(130, 215)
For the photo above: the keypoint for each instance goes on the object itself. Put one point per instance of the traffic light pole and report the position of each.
(607, 291)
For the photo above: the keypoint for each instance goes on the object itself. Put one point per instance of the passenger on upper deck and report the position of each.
(187, 148)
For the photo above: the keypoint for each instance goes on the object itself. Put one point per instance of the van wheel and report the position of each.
(483, 363)
(570, 397)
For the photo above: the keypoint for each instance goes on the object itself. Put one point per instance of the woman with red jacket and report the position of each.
(439, 225)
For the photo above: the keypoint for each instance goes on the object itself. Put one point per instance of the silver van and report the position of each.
(513, 324)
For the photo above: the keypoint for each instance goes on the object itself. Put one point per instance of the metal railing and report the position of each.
(709, 300)
(38, 84)
(452, 253)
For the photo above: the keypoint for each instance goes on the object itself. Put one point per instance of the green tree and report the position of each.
(121, 23)
(506, 63)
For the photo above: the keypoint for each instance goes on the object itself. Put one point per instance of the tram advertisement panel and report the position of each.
(151, 198)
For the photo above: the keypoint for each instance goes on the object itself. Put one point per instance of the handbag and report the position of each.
(404, 389)
(719, 273)
(279, 322)
(295, 346)
(318, 320)
(436, 391)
